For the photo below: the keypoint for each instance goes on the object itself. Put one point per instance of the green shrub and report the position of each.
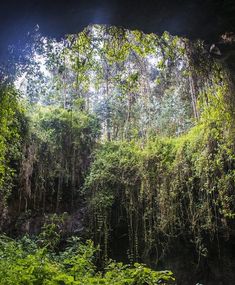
(23, 263)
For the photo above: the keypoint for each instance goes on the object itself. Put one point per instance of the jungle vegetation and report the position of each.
(138, 131)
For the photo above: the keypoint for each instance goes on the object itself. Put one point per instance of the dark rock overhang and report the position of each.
(204, 19)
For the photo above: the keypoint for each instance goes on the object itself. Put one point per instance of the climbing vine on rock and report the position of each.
(13, 128)
(167, 189)
(57, 156)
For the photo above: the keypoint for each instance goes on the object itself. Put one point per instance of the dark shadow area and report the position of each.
(194, 19)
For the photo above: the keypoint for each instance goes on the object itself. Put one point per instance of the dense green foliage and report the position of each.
(131, 137)
(57, 156)
(24, 263)
(167, 189)
(136, 84)
(12, 130)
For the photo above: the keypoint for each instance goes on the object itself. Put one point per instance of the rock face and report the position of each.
(194, 19)
(212, 271)
(224, 50)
